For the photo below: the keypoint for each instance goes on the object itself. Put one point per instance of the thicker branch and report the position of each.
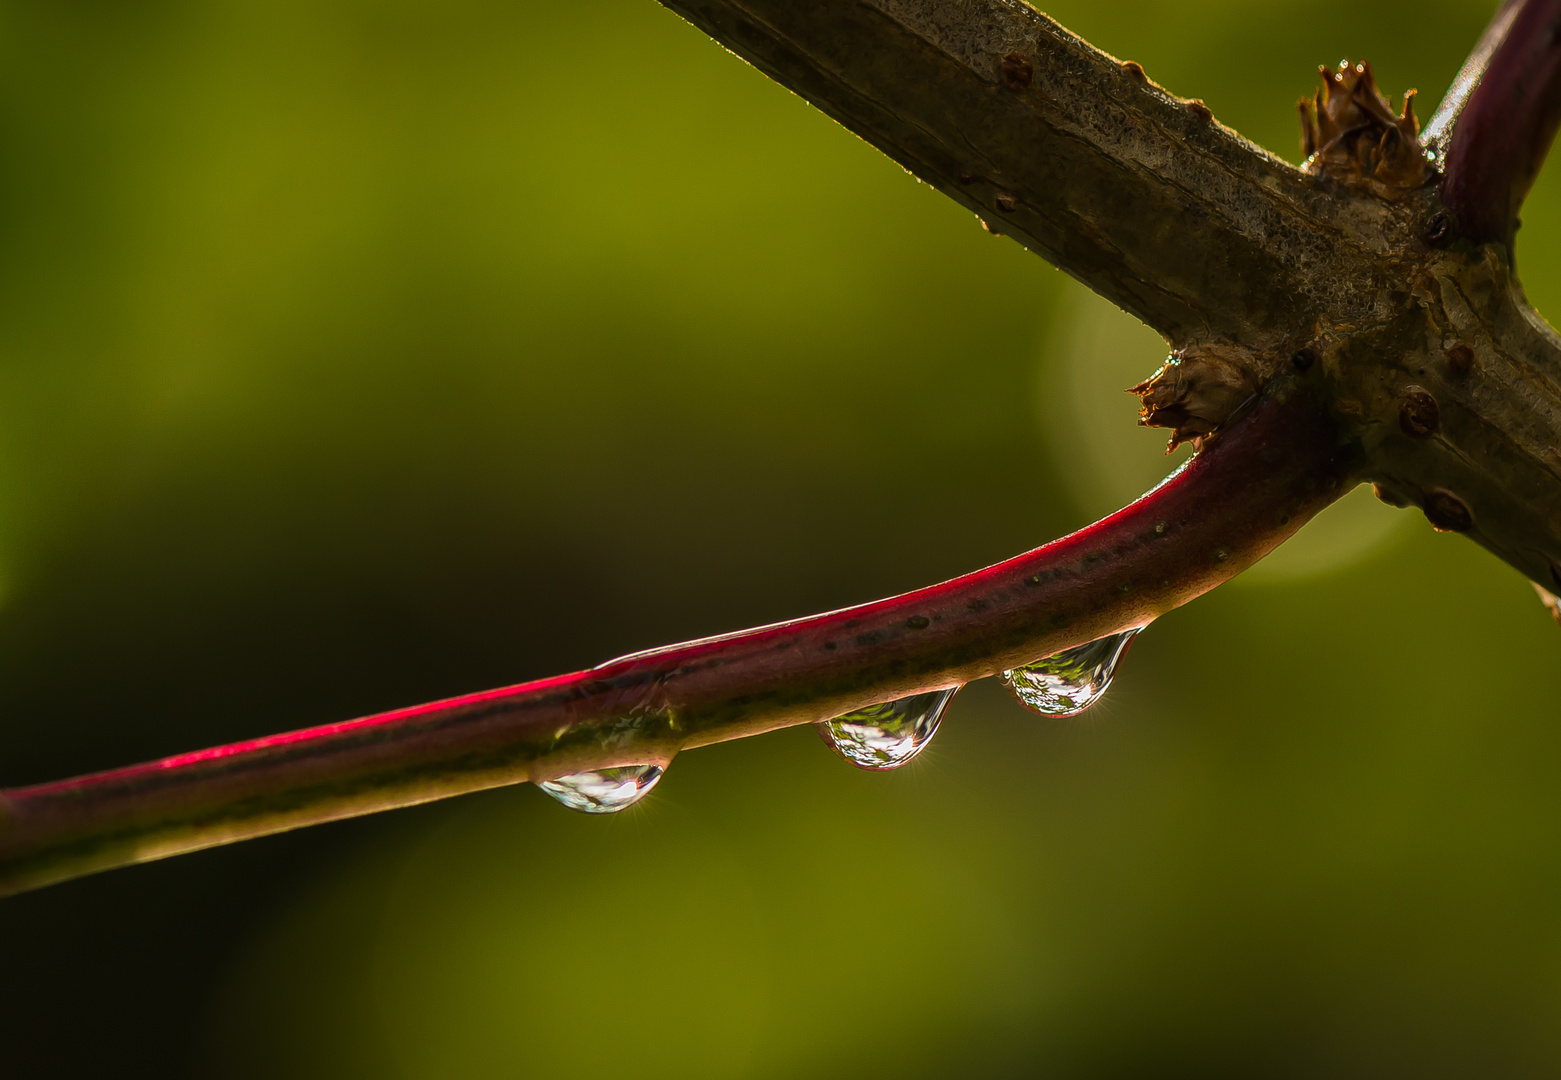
(1140, 195)
(1253, 486)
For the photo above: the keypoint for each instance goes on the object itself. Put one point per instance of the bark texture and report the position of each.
(1242, 261)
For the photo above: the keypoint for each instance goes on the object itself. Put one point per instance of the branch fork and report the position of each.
(1353, 320)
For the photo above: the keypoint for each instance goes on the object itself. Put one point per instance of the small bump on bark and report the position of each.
(1460, 358)
(1006, 202)
(1447, 512)
(1018, 72)
(1418, 415)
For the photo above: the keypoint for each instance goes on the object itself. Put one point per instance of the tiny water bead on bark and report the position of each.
(604, 791)
(1418, 415)
(1071, 681)
(887, 736)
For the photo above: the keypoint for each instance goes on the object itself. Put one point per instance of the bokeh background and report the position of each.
(357, 353)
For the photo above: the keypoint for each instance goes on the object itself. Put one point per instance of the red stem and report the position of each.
(1251, 488)
(1495, 126)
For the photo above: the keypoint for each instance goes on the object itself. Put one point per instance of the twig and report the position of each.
(1231, 504)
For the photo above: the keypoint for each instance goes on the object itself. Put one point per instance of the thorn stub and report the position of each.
(1199, 109)
(1196, 391)
(1447, 512)
(966, 178)
(1418, 415)
(1006, 202)
(1350, 132)
(1134, 70)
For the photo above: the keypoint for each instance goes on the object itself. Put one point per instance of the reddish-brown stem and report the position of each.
(1244, 494)
(1495, 126)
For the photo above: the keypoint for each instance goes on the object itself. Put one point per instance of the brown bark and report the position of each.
(1241, 260)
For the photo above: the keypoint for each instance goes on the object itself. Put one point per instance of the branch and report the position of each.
(1139, 194)
(1495, 126)
(1252, 487)
(1423, 369)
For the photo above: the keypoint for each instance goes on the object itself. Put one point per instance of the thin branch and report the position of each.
(1252, 487)
(1494, 128)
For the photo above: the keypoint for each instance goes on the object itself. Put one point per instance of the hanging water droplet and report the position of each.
(1071, 681)
(604, 791)
(886, 736)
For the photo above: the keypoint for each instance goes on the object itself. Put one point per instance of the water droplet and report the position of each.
(1071, 681)
(886, 736)
(604, 791)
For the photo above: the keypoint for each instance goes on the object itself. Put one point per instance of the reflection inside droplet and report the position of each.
(1071, 681)
(886, 736)
(604, 791)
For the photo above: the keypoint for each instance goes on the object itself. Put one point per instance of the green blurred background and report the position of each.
(362, 352)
